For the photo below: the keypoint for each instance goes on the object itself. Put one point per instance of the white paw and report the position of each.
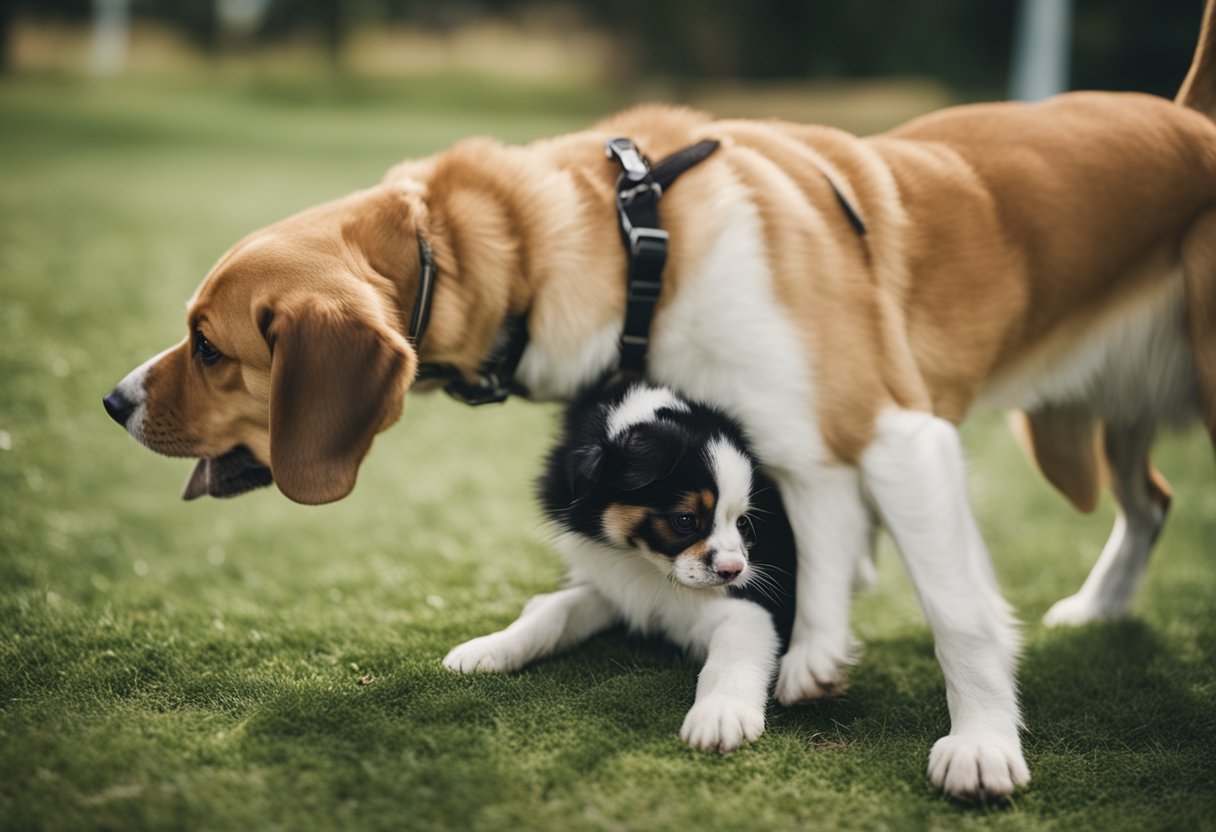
(812, 671)
(719, 723)
(978, 766)
(1073, 611)
(487, 654)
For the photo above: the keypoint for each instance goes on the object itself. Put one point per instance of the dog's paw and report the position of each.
(487, 654)
(719, 723)
(1073, 611)
(812, 671)
(978, 767)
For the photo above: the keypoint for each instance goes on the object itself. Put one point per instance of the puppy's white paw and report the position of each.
(486, 654)
(1073, 611)
(720, 723)
(978, 766)
(812, 671)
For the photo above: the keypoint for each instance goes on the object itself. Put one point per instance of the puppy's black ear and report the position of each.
(586, 465)
(645, 454)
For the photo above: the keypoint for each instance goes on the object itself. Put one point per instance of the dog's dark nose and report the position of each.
(730, 572)
(119, 408)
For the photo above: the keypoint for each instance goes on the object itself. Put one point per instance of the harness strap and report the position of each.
(638, 190)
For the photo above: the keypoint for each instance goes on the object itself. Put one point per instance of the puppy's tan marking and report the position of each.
(621, 522)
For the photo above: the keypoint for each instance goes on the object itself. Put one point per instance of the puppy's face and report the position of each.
(292, 358)
(674, 495)
(692, 525)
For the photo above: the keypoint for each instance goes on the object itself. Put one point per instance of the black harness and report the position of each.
(638, 190)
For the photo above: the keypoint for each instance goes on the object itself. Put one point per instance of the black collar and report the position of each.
(496, 377)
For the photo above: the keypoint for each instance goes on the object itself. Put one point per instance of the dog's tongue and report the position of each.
(228, 475)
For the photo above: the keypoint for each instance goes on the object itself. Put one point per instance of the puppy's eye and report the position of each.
(204, 350)
(684, 523)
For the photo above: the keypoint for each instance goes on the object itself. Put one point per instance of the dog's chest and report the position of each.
(725, 339)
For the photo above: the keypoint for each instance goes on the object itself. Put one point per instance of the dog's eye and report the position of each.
(203, 349)
(744, 525)
(684, 523)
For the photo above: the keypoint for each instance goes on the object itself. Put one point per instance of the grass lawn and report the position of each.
(172, 665)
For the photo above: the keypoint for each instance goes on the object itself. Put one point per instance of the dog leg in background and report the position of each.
(549, 624)
(732, 691)
(834, 530)
(1143, 496)
(914, 471)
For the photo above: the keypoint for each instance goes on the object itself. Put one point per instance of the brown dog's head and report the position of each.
(293, 358)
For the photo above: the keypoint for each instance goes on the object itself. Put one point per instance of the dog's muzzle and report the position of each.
(227, 475)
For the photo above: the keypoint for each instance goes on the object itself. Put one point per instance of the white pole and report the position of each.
(111, 36)
(1041, 49)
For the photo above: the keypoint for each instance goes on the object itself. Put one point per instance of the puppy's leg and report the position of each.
(914, 470)
(549, 624)
(1143, 496)
(835, 535)
(732, 690)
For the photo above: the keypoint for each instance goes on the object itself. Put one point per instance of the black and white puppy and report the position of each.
(667, 525)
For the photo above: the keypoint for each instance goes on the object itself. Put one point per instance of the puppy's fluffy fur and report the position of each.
(667, 525)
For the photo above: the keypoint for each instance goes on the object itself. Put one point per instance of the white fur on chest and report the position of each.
(726, 340)
(1132, 364)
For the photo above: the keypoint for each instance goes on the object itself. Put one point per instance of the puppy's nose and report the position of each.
(729, 571)
(119, 407)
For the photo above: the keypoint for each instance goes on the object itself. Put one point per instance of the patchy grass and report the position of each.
(173, 665)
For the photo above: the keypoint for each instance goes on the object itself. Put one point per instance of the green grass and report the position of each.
(198, 665)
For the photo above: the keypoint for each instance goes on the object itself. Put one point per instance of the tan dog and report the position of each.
(1055, 257)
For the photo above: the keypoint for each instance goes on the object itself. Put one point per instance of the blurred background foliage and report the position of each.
(964, 45)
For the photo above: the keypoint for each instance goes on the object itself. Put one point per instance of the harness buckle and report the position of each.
(648, 243)
(630, 158)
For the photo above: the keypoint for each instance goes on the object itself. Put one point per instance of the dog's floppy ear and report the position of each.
(338, 376)
(645, 454)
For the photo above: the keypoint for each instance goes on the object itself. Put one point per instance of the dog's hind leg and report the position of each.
(1199, 276)
(1064, 443)
(1143, 497)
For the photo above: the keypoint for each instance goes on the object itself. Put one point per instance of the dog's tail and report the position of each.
(1198, 91)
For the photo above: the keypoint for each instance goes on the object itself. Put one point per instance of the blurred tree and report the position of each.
(1116, 44)
(7, 13)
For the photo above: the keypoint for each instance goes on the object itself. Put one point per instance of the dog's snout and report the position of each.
(119, 407)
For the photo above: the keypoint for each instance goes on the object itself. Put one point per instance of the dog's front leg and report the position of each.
(549, 624)
(741, 646)
(833, 530)
(914, 471)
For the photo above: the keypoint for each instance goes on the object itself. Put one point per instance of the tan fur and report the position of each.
(1065, 443)
(996, 233)
(1199, 263)
(620, 522)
